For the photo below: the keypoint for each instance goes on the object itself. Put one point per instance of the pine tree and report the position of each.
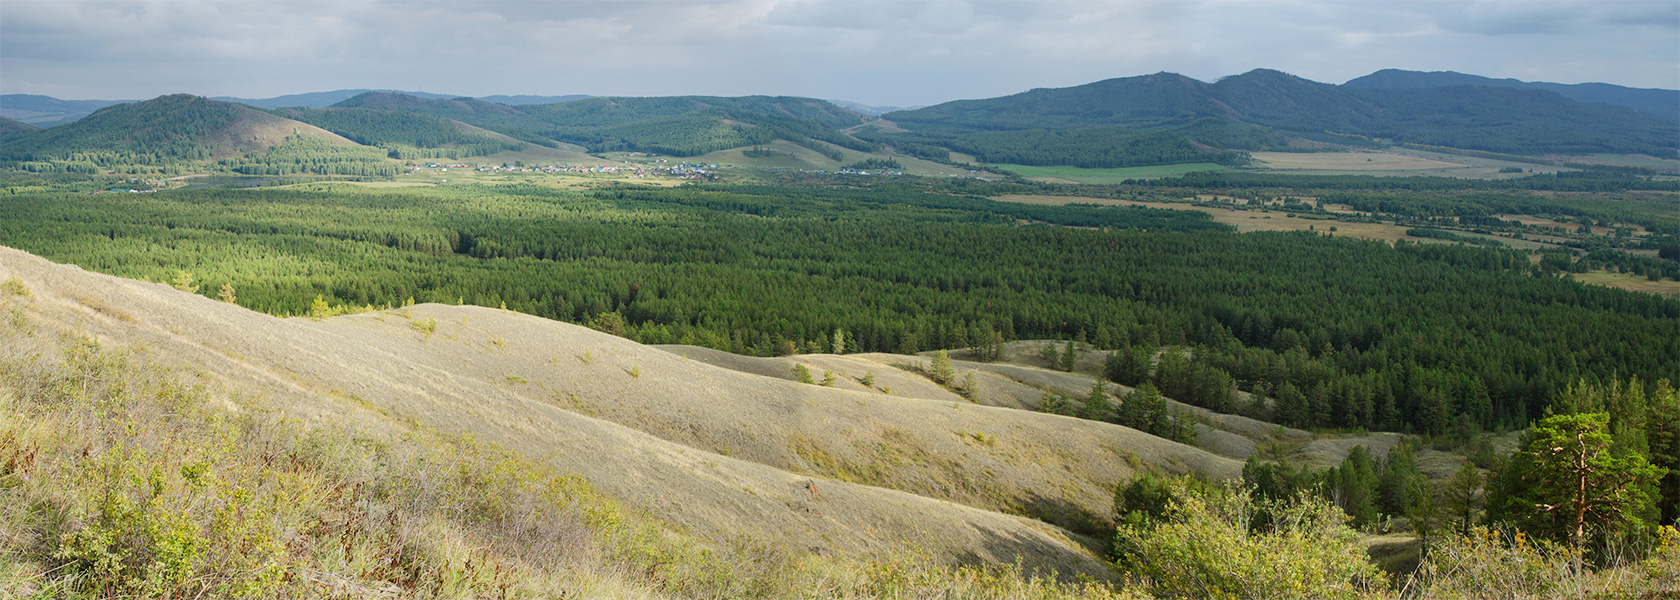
(1097, 406)
(1580, 481)
(1461, 498)
(942, 371)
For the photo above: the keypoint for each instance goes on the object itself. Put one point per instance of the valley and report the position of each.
(1043, 345)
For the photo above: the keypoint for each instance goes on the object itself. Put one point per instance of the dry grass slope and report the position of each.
(702, 448)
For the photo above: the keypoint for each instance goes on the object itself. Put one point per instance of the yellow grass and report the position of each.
(1243, 220)
(1666, 287)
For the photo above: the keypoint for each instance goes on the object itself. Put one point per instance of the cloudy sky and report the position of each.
(881, 53)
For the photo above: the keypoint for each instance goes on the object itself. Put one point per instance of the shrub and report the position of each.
(1208, 546)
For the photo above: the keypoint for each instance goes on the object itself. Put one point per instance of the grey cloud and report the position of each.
(903, 52)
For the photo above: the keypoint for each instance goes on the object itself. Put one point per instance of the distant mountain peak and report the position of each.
(1659, 102)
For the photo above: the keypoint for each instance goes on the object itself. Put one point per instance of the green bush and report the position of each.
(1208, 545)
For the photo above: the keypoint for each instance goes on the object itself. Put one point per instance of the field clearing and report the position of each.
(1409, 162)
(1104, 176)
(1534, 221)
(1636, 283)
(1627, 160)
(379, 184)
(1350, 161)
(1244, 220)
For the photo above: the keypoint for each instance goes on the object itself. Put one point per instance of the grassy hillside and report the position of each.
(157, 450)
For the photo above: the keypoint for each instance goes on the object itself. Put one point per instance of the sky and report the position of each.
(881, 53)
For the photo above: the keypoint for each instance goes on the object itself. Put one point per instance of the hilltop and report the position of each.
(169, 127)
(1662, 103)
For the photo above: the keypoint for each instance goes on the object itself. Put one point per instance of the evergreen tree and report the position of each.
(942, 371)
(1462, 497)
(1097, 407)
(1578, 481)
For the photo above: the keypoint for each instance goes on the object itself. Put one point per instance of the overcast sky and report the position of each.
(881, 53)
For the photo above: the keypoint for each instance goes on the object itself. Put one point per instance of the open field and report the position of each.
(1349, 161)
(1666, 287)
(1104, 176)
(1394, 162)
(1666, 165)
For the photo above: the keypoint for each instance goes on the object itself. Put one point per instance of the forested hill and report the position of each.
(681, 125)
(13, 126)
(1662, 103)
(404, 135)
(167, 128)
(1498, 119)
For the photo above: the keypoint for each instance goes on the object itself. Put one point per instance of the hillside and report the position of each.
(10, 127)
(405, 135)
(680, 125)
(712, 450)
(46, 111)
(177, 127)
(1499, 119)
(1662, 103)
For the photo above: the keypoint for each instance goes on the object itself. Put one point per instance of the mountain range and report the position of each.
(1153, 119)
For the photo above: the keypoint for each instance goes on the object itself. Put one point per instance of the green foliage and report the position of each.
(1144, 409)
(1128, 366)
(875, 164)
(1461, 499)
(1353, 486)
(1208, 545)
(1096, 405)
(1193, 381)
(941, 370)
(1054, 403)
(319, 309)
(1577, 480)
(1146, 500)
(802, 373)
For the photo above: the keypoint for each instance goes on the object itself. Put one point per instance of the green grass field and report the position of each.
(1082, 175)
